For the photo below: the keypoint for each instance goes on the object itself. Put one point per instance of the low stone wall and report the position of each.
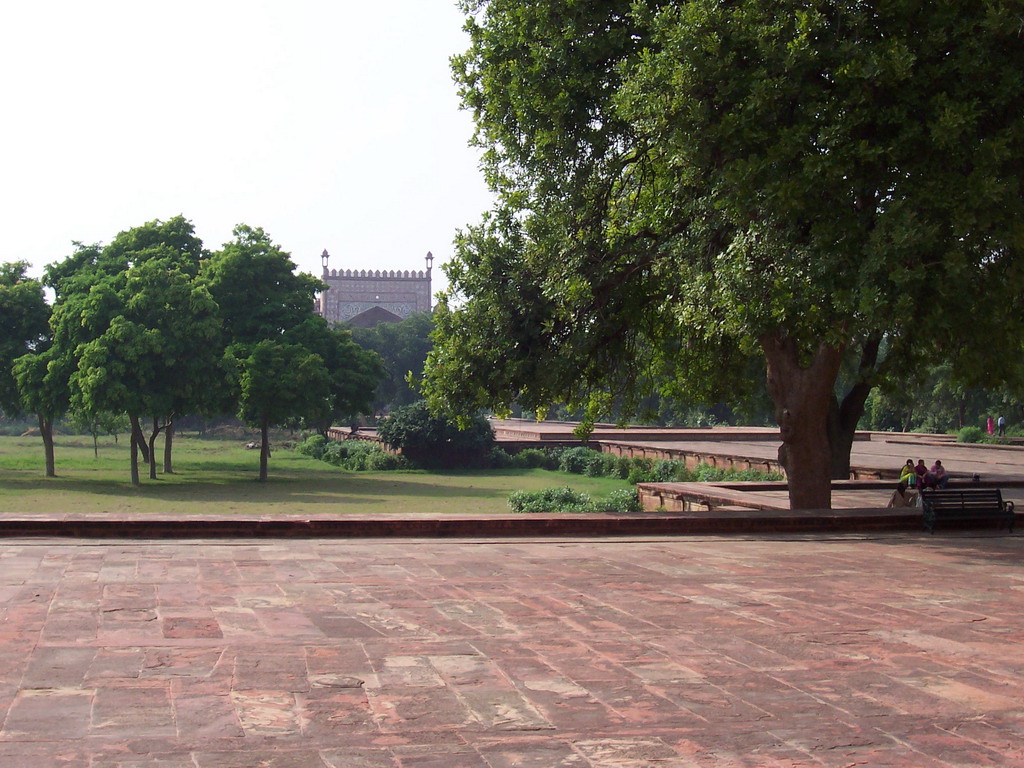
(691, 458)
(344, 433)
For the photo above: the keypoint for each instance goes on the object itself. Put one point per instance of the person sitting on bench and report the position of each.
(937, 477)
(908, 474)
(902, 497)
(922, 473)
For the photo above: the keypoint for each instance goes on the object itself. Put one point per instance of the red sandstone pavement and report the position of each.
(903, 650)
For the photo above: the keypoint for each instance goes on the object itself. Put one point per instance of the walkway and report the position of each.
(664, 653)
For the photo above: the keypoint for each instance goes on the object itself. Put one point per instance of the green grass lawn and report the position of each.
(219, 478)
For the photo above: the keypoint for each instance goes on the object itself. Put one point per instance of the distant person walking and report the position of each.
(1002, 426)
(990, 425)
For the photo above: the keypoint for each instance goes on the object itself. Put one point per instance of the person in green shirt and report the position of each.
(908, 474)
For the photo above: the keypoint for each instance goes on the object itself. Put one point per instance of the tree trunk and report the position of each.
(46, 432)
(264, 447)
(168, 445)
(802, 396)
(135, 452)
(152, 448)
(139, 437)
(844, 417)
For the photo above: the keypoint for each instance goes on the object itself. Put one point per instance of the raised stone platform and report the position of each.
(717, 521)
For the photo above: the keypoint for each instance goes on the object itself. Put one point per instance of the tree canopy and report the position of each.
(154, 326)
(24, 317)
(680, 184)
(287, 364)
(403, 349)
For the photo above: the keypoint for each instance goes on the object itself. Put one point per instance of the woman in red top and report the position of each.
(922, 473)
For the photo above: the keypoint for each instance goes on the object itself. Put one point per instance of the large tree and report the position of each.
(680, 184)
(42, 379)
(354, 372)
(288, 364)
(24, 330)
(403, 349)
(24, 317)
(255, 284)
(278, 381)
(135, 331)
(158, 356)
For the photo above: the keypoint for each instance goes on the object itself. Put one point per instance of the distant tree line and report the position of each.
(152, 327)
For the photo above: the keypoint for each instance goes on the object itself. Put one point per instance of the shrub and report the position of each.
(549, 500)
(602, 465)
(499, 459)
(356, 455)
(638, 475)
(752, 475)
(313, 446)
(379, 460)
(577, 459)
(535, 458)
(641, 470)
(621, 500)
(970, 435)
(642, 464)
(667, 470)
(333, 453)
(622, 466)
(431, 440)
(705, 473)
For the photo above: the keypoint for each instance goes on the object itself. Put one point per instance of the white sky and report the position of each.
(330, 124)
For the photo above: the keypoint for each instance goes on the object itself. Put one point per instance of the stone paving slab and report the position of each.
(897, 650)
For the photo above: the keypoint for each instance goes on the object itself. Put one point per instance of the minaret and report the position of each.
(321, 300)
(430, 295)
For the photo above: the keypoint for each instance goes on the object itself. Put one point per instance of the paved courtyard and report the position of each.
(901, 650)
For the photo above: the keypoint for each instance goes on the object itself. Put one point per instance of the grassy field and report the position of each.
(219, 478)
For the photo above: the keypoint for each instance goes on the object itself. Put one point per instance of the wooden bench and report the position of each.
(972, 504)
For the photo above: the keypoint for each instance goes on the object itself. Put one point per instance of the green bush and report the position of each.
(549, 500)
(641, 470)
(970, 435)
(638, 475)
(355, 455)
(500, 459)
(620, 500)
(576, 460)
(567, 500)
(313, 446)
(667, 471)
(381, 461)
(603, 465)
(622, 466)
(535, 458)
(429, 440)
(643, 464)
(333, 453)
(752, 475)
(358, 454)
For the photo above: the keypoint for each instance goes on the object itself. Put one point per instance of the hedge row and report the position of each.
(579, 460)
(585, 461)
(358, 455)
(568, 500)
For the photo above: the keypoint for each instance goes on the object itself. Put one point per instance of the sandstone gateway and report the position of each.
(364, 298)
